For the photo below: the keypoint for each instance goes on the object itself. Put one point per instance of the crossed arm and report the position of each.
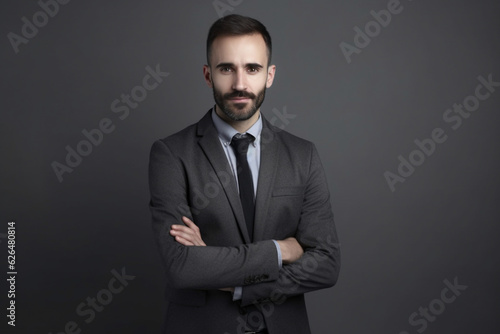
(311, 265)
(189, 235)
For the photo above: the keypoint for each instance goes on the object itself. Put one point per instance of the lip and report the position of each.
(240, 99)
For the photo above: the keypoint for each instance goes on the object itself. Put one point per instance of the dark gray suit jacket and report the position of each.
(189, 175)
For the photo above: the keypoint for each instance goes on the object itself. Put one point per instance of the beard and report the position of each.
(239, 111)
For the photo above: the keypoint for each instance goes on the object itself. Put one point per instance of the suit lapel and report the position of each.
(269, 157)
(210, 144)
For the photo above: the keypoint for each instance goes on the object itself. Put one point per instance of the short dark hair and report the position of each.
(237, 25)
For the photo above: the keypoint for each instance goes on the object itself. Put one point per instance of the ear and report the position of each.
(207, 75)
(271, 71)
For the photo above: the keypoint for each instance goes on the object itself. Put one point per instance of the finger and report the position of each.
(181, 228)
(190, 223)
(188, 234)
(194, 235)
(191, 232)
(183, 234)
(183, 241)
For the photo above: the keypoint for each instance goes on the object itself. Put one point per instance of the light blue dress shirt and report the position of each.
(226, 133)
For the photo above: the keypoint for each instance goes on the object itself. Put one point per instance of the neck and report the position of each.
(240, 126)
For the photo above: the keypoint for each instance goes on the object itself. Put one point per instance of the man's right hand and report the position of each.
(291, 250)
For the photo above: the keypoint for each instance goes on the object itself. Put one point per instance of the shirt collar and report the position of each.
(227, 132)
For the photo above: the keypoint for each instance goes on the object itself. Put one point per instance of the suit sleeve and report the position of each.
(319, 266)
(191, 267)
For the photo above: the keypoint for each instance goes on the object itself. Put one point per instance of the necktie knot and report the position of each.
(240, 143)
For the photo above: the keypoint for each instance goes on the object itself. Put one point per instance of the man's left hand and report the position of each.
(188, 235)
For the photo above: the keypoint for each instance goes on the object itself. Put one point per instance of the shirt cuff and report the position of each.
(280, 260)
(238, 292)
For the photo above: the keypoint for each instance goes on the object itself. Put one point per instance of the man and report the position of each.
(241, 209)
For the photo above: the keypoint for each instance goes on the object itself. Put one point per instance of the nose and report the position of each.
(239, 81)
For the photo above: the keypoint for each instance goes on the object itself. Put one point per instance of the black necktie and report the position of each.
(245, 181)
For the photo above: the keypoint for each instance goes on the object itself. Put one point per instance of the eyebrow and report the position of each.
(246, 65)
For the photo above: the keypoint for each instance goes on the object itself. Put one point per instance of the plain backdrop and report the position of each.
(399, 246)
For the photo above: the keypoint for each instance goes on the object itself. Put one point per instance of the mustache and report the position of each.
(239, 93)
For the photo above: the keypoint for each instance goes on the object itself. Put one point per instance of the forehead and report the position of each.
(239, 49)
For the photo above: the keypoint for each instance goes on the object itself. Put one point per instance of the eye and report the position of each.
(226, 69)
(252, 69)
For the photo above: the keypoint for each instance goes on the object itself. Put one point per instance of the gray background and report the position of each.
(398, 247)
